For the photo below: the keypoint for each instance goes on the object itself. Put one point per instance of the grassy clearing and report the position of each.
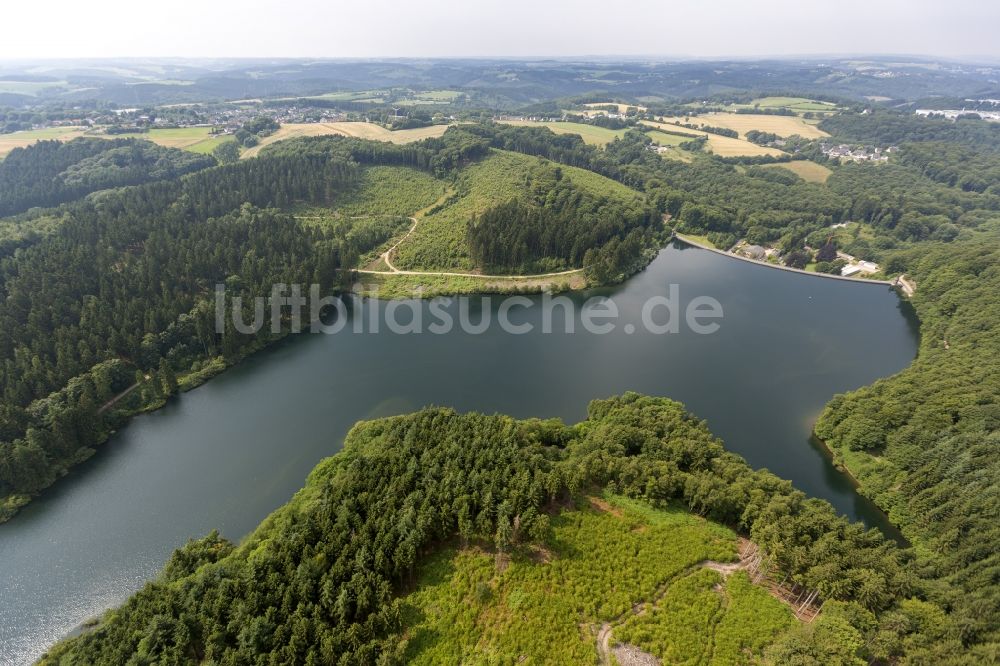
(545, 604)
(671, 144)
(438, 243)
(780, 125)
(400, 285)
(706, 619)
(804, 169)
(35, 227)
(359, 130)
(598, 136)
(378, 207)
(386, 190)
(9, 142)
(701, 240)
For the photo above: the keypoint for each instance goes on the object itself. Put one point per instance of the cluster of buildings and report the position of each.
(856, 267)
(848, 153)
(756, 252)
(952, 114)
(853, 266)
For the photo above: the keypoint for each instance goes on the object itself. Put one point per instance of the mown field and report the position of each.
(622, 108)
(602, 559)
(666, 139)
(9, 142)
(804, 169)
(194, 139)
(797, 104)
(598, 136)
(431, 97)
(780, 125)
(723, 146)
(360, 130)
(439, 244)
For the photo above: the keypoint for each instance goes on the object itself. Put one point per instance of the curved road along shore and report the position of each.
(694, 243)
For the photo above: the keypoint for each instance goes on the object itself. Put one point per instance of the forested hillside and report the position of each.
(320, 581)
(554, 223)
(49, 173)
(924, 194)
(136, 270)
(924, 443)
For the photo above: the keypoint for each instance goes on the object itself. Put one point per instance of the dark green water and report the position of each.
(228, 453)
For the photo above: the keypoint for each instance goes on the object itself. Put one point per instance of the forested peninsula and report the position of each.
(440, 536)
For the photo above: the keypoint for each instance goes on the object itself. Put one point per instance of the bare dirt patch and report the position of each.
(601, 505)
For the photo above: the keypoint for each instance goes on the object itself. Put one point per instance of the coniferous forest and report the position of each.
(111, 250)
(320, 580)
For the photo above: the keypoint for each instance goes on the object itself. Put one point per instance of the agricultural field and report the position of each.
(665, 139)
(399, 97)
(804, 169)
(722, 146)
(548, 601)
(598, 136)
(674, 128)
(439, 244)
(359, 130)
(9, 142)
(194, 139)
(31, 88)
(622, 108)
(671, 145)
(725, 146)
(797, 104)
(431, 97)
(783, 126)
(355, 96)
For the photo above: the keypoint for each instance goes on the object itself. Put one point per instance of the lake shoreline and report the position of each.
(693, 243)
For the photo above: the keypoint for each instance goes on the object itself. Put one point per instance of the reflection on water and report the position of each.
(228, 453)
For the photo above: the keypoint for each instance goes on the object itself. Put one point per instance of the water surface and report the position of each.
(228, 453)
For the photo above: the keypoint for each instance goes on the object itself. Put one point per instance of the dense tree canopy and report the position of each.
(49, 173)
(554, 226)
(319, 581)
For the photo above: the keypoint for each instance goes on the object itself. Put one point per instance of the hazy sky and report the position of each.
(364, 28)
